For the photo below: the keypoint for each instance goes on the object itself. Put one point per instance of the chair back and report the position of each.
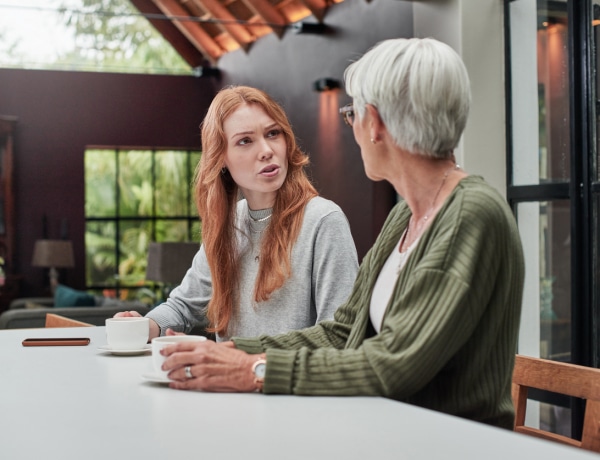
(54, 320)
(563, 378)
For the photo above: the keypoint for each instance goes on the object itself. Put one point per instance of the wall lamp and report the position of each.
(311, 28)
(325, 84)
(202, 71)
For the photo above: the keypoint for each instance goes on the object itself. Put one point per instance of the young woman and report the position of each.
(279, 259)
(434, 314)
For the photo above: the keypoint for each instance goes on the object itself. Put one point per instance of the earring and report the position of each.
(374, 141)
(223, 171)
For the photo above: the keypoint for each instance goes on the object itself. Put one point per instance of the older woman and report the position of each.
(282, 258)
(434, 313)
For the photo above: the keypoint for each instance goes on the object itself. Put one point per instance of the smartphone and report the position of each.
(59, 341)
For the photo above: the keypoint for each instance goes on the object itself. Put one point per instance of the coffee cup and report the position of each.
(158, 343)
(127, 333)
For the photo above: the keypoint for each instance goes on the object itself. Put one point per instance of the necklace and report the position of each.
(425, 218)
(262, 219)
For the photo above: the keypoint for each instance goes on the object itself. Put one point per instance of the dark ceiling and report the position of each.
(204, 30)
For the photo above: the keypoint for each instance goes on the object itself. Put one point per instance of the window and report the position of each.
(133, 197)
(554, 185)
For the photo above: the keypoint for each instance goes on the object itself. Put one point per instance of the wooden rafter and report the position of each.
(191, 54)
(237, 31)
(268, 14)
(201, 40)
(317, 8)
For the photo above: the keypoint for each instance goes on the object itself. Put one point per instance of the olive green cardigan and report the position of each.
(448, 338)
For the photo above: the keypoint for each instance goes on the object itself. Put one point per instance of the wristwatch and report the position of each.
(259, 369)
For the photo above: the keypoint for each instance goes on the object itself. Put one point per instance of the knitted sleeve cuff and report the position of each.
(252, 346)
(280, 369)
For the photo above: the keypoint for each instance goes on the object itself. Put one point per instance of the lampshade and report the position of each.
(53, 254)
(169, 262)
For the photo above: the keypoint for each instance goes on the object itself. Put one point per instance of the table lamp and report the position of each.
(53, 254)
(168, 262)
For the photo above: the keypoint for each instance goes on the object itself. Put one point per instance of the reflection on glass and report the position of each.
(553, 84)
(546, 319)
(556, 419)
(540, 92)
(555, 281)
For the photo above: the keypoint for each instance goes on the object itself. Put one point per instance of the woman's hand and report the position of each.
(172, 332)
(127, 314)
(154, 330)
(214, 366)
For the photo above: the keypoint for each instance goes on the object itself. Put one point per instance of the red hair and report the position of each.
(216, 198)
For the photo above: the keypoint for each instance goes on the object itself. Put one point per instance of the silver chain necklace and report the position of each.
(425, 218)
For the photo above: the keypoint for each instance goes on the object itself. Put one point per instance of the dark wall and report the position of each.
(59, 114)
(287, 67)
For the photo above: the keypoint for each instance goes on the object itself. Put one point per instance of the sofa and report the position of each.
(31, 312)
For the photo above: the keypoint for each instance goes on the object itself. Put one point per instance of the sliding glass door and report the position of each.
(554, 188)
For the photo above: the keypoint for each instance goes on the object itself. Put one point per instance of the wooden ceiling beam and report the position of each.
(316, 7)
(268, 14)
(237, 31)
(192, 30)
(191, 54)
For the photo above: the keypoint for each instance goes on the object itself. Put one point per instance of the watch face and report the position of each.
(259, 370)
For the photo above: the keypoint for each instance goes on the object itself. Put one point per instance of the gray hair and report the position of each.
(421, 90)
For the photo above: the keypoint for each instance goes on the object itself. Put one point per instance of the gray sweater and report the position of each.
(324, 266)
(449, 334)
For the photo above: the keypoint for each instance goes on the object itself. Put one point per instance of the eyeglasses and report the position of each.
(348, 113)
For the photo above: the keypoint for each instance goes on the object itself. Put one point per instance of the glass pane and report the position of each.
(555, 280)
(553, 81)
(555, 419)
(100, 253)
(196, 231)
(135, 183)
(546, 320)
(172, 184)
(100, 183)
(540, 92)
(194, 161)
(133, 251)
(172, 230)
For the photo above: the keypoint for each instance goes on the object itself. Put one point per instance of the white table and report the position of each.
(78, 403)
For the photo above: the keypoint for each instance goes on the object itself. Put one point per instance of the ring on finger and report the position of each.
(188, 372)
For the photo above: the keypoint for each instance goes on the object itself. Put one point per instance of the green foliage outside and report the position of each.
(108, 36)
(134, 197)
(112, 38)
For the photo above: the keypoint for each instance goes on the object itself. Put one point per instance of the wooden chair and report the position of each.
(54, 320)
(568, 379)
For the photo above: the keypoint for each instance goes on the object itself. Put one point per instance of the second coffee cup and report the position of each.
(158, 343)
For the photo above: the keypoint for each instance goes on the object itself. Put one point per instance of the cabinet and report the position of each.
(9, 288)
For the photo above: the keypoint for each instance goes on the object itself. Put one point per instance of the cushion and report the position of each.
(66, 297)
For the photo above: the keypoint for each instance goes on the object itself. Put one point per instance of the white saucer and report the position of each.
(155, 378)
(140, 351)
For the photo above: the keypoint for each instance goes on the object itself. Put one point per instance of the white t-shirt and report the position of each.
(384, 286)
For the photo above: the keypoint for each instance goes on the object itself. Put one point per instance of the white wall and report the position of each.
(474, 28)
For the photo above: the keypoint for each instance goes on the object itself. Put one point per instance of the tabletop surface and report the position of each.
(80, 402)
